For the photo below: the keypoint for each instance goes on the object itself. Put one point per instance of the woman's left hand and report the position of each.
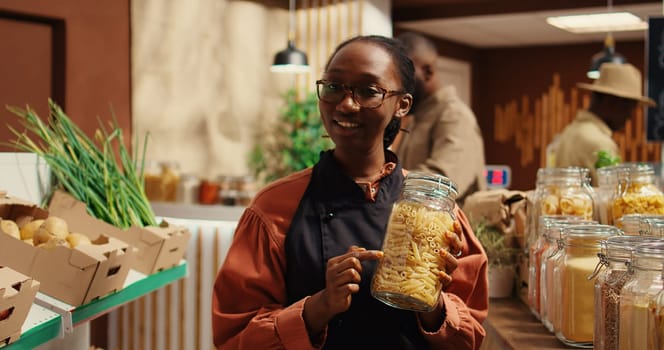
(449, 261)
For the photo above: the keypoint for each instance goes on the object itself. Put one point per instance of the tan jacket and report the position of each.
(581, 140)
(444, 138)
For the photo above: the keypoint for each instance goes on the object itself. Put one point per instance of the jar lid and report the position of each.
(435, 185)
(650, 249)
(641, 224)
(588, 234)
(567, 174)
(620, 247)
(554, 228)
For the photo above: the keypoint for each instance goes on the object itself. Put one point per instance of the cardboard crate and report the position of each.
(17, 292)
(73, 275)
(158, 248)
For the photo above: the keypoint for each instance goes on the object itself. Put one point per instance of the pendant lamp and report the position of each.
(290, 60)
(608, 54)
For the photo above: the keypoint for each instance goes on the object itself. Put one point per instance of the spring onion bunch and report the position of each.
(100, 173)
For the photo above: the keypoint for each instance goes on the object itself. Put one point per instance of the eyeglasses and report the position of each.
(369, 96)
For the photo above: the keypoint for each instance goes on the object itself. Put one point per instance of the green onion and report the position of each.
(109, 182)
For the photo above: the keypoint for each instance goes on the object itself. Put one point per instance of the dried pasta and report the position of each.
(408, 274)
(569, 201)
(639, 199)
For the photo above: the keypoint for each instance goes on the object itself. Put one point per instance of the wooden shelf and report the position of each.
(512, 326)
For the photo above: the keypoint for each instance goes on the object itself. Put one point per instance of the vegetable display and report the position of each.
(100, 173)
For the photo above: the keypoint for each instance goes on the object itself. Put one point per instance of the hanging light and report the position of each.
(290, 60)
(608, 54)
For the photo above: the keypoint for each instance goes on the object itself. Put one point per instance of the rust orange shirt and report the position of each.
(249, 295)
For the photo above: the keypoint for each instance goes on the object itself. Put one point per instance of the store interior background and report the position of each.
(195, 74)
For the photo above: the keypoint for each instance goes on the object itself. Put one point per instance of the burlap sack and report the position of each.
(500, 208)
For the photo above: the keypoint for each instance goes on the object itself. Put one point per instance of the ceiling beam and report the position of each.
(402, 11)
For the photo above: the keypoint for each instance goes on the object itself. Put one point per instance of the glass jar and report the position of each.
(607, 184)
(611, 277)
(657, 314)
(535, 260)
(641, 224)
(407, 277)
(563, 191)
(548, 259)
(637, 193)
(575, 292)
(646, 267)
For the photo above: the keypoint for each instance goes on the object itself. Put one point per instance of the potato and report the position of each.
(56, 226)
(76, 239)
(54, 242)
(28, 230)
(10, 228)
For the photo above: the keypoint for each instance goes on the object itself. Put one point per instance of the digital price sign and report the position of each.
(498, 176)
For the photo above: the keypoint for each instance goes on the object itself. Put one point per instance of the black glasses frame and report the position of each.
(351, 89)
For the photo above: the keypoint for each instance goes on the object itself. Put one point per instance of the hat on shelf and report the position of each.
(622, 80)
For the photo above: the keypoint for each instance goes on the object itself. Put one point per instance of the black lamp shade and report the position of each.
(290, 60)
(608, 54)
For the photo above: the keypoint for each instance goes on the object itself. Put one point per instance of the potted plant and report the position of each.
(502, 259)
(293, 143)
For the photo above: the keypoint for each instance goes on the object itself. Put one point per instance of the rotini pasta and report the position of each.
(407, 276)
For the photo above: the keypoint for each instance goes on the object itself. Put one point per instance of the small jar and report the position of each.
(188, 189)
(563, 191)
(611, 277)
(575, 287)
(657, 314)
(637, 193)
(646, 267)
(208, 192)
(407, 277)
(535, 252)
(549, 257)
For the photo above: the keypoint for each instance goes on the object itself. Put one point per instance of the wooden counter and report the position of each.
(512, 326)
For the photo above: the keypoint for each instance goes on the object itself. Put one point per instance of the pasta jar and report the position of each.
(611, 277)
(407, 277)
(564, 191)
(573, 276)
(548, 258)
(637, 193)
(645, 281)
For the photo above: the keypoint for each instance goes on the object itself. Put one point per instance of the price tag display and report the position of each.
(498, 176)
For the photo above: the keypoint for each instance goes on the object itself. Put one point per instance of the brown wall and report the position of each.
(504, 75)
(74, 51)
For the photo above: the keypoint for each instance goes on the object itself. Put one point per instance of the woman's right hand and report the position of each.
(342, 280)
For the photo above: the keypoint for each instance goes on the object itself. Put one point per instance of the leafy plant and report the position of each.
(495, 244)
(110, 183)
(293, 143)
(604, 158)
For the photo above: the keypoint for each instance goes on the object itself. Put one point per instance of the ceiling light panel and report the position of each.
(598, 22)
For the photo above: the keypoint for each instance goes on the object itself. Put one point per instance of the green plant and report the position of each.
(495, 244)
(109, 182)
(293, 143)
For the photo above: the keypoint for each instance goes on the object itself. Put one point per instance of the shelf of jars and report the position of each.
(595, 259)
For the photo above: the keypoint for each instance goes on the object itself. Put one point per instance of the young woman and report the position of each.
(298, 273)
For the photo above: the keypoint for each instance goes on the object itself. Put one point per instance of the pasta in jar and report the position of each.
(638, 194)
(408, 275)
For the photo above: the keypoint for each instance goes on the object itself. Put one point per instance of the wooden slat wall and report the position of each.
(321, 26)
(533, 125)
(178, 316)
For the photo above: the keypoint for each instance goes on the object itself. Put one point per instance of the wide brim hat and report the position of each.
(619, 79)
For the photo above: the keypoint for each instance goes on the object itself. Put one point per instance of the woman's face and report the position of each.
(352, 127)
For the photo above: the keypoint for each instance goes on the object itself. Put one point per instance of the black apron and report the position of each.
(333, 215)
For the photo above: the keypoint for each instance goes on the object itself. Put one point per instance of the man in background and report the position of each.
(615, 95)
(443, 135)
